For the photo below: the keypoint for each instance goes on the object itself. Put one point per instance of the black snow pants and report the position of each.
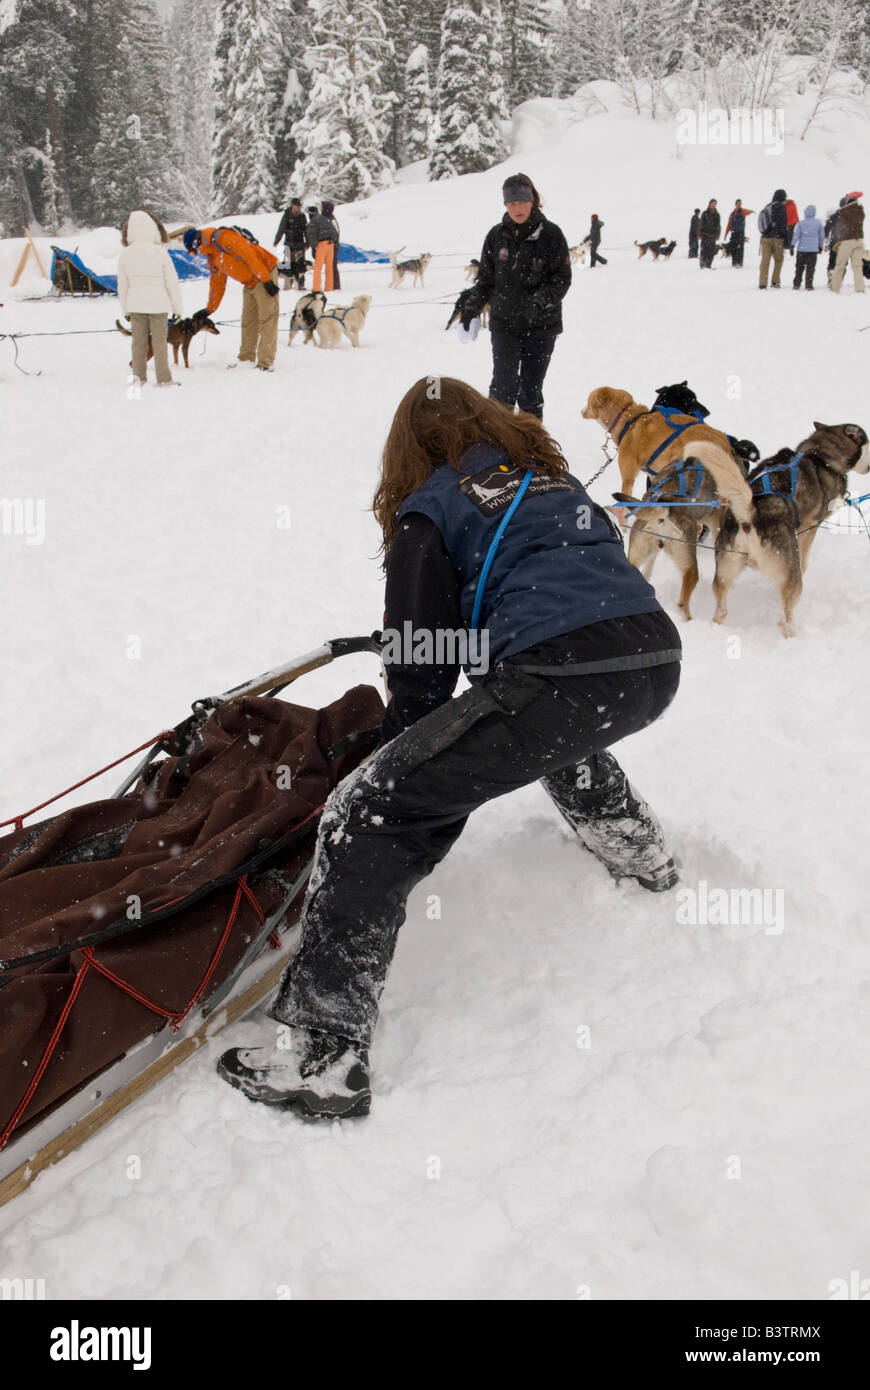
(519, 365)
(708, 251)
(388, 824)
(804, 262)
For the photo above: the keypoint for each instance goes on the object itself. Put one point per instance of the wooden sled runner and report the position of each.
(233, 968)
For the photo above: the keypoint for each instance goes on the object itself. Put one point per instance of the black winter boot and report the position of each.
(321, 1075)
(614, 823)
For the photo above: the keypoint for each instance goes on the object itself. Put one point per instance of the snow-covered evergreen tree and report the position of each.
(38, 77)
(527, 59)
(400, 21)
(418, 105)
(471, 102)
(192, 39)
(426, 17)
(292, 36)
(128, 142)
(571, 64)
(343, 131)
(51, 196)
(244, 77)
(151, 90)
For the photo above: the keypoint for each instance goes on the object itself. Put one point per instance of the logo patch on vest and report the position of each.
(493, 489)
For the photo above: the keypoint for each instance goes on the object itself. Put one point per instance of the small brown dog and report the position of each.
(179, 335)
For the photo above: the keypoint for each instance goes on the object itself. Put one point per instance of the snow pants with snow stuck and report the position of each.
(388, 824)
(519, 365)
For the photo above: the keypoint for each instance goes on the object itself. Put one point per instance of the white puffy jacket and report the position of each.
(147, 282)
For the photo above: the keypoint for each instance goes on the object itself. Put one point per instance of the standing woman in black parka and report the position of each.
(525, 271)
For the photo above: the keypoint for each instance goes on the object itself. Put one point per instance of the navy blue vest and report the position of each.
(560, 564)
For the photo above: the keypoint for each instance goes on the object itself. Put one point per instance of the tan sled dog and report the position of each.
(676, 529)
(638, 431)
(338, 320)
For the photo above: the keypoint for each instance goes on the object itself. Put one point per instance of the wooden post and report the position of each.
(30, 247)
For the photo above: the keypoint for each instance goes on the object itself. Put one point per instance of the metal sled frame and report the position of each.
(106, 1095)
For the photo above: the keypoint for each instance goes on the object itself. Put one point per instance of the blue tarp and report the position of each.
(187, 267)
(346, 252)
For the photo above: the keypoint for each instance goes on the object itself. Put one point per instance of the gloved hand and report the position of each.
(469, 308)
(537, 310)
(270, 287)
(200, 314)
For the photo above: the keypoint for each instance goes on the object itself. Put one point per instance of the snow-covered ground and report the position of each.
(707, 1136)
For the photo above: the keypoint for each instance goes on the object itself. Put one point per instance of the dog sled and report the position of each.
(135, 928)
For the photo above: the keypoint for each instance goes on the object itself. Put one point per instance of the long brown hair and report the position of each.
(437, 420)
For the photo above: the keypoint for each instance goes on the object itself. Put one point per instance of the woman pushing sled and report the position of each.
(486, 534)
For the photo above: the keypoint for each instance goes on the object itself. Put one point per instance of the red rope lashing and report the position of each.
(47, 1054)
(242, 889)
(18, 821)
(125, 986)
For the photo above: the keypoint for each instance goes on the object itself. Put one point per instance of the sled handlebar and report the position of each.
(276, 679)
(269, 683)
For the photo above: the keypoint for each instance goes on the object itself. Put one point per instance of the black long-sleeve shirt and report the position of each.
(423, 589)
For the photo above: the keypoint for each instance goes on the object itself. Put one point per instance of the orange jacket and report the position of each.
(232, 254)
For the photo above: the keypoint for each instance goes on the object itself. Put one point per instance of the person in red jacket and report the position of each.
(230, 252)
(792, 217)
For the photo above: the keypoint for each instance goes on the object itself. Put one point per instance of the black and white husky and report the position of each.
(306, 312)
(416, 267)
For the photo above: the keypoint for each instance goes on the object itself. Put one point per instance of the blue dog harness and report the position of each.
(764, 479)
(337, 313)
(689, 498)
(668, 412)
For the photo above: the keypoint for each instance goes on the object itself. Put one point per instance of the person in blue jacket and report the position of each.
(808, 239)
(496, 559)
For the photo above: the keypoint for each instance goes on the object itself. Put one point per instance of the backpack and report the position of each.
(765, 221)
(242, 231)
(679, 397)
